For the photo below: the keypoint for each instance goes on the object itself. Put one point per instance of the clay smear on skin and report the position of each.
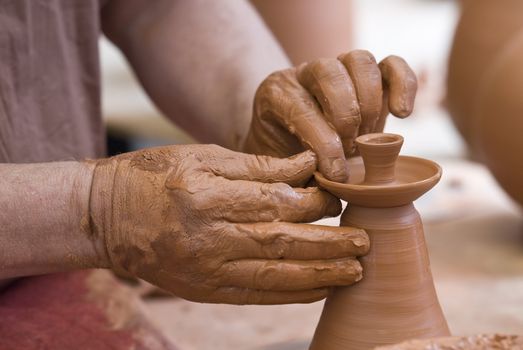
(212, 225)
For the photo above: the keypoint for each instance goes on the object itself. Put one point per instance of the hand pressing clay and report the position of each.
(485, 81)
(213, 225)
(325, 104)
(476, 342)
(396, 299)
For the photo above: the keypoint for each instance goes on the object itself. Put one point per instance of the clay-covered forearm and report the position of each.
(200, 61)
(44, 219)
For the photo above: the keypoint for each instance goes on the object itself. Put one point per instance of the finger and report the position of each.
(401, 84)
(290, 275)
(382, 120)
(294, 109)
(283, 240)
(328, 81)
(246, 201)
(245, 296)
(295, 171)
(366, 77)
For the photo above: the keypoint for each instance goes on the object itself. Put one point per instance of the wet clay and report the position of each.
(396, 299)
(484, 84)
(476, 342)
(212, 225)
(325, 104)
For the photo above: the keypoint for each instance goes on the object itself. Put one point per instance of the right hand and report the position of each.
(212, 225)
(325, 104)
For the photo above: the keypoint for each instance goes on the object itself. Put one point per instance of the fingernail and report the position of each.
(334, 169)
(357, 272)
(307, 158)
(349, 147)
(339, 170)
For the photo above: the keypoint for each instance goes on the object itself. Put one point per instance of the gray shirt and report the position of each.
(50, 80)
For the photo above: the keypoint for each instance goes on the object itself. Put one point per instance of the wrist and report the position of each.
(44, 216)
(100, 208)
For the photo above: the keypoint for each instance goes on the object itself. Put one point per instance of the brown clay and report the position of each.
(325, 104)
(484, 84)
(475, 342)
(396, 299)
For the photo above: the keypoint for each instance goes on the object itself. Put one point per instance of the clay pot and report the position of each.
(395, 300)
(484, 87)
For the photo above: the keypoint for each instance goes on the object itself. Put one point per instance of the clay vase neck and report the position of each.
(379, 153)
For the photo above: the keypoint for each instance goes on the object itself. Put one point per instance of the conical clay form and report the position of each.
(396, 300)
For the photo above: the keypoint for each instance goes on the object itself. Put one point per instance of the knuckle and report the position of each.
(266, 276)
(351, 122)
(273, 242)
(199, 201)
(331, 148)
(215, 149)
(261, 163)
(320, 65)
(273, 83)
(279, 246)
(363, 56)
(246, 296)
(328, 70)
(277, 190)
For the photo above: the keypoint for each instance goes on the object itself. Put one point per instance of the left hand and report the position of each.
(212, 225)
(325, 104)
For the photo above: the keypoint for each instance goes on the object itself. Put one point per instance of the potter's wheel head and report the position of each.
(413, 177)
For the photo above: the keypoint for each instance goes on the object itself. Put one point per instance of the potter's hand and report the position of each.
(213, 225)
(324, 105)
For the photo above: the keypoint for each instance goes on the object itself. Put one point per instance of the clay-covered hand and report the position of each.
(325, 104)
(213, 225)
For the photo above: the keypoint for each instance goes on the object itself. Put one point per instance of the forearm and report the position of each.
(200, 61)
(44, 219)
(309, 29)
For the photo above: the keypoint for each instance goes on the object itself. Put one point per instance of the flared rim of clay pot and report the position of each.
(380, 140)
(414, 177)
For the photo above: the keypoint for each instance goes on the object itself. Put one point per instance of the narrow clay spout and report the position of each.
(379, 153)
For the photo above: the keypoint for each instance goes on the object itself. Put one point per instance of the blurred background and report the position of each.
(474, 230)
